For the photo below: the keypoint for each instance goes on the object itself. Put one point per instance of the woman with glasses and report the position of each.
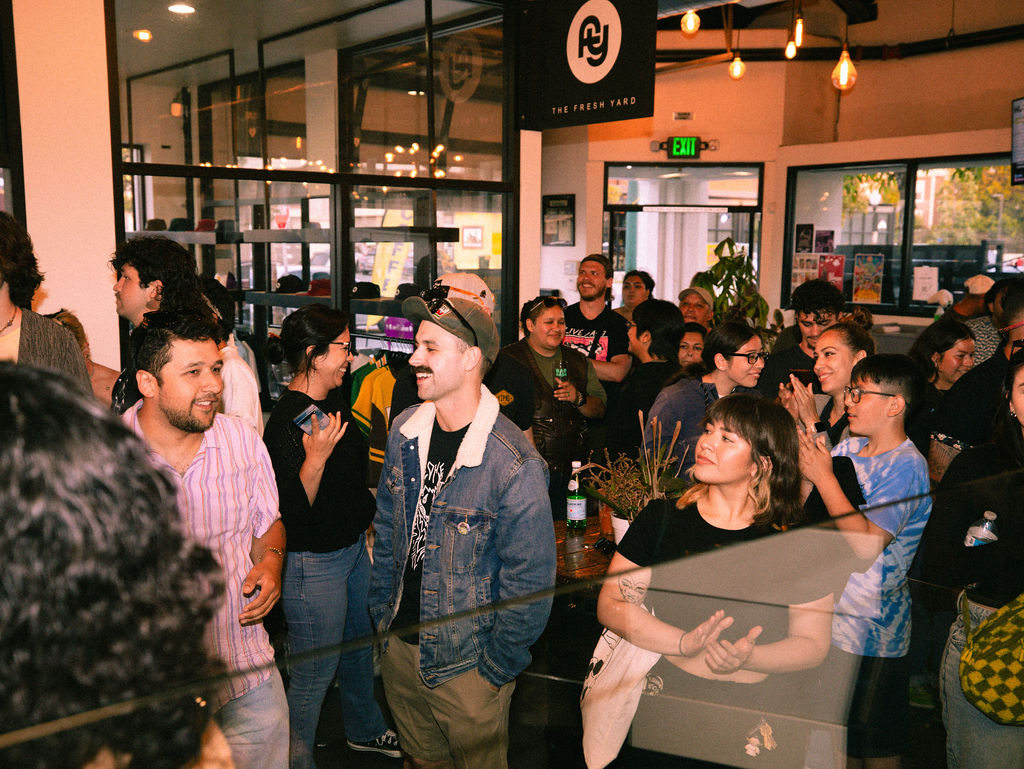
(734, 625)
(985, 477)
(320, 463)
(566, 390)
(733, 358)
(838, 350)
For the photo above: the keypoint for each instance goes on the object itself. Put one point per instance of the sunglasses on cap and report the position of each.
(436, 298)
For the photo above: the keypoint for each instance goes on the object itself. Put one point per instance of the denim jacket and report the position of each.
(490, 539)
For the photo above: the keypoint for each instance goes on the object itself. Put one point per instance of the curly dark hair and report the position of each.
(103, 599)
(155, 257)
(151, 341)
(817, 297)
(18, 266)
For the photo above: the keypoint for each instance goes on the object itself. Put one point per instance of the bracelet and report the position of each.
(681, 637)
(266, 550)
(581, 398)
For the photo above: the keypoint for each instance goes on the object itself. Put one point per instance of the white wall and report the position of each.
(65, 122)
(787, 114)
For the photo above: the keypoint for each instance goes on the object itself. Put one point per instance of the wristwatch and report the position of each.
(581, 398)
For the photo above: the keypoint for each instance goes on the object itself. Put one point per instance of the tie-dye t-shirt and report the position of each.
(872, 618)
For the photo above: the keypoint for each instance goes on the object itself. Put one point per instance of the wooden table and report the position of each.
(578, 559)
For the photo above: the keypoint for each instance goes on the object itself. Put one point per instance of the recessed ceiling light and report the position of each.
(142, 34)
(181, 8)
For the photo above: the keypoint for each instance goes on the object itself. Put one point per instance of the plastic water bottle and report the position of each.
(576, 502)
(982, 531)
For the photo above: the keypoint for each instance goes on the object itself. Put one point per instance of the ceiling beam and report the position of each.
(858, 11)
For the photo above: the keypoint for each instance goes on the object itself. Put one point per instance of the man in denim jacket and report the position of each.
(463, 522)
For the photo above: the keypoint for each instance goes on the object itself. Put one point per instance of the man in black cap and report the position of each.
(463, 521)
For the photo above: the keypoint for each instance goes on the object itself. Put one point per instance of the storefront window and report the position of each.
(848, 224)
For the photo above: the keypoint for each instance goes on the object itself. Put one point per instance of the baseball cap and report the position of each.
(703, 293)
(464, 318)
(979, 284)
(466, 285)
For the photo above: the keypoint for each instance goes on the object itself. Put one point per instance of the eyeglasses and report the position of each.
(752, 357)
(346, 346)
(548, 302)
(436, 298)
(855, 393)
(168, 318)
(630, 324)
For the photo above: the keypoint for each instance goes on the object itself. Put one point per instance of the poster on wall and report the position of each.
(1017, 142)
(559, 216)
(831, 268)
(868, 270)
(804, 238)
(824, 241)
(805, 268)
(926, 282)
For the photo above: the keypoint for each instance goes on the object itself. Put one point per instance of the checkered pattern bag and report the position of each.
(992, 662)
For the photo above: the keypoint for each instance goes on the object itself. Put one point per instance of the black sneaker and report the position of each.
(387, 744)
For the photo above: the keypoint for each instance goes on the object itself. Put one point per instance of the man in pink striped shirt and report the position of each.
(228, 497)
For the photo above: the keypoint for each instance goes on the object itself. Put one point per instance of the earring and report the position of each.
(1012, 412)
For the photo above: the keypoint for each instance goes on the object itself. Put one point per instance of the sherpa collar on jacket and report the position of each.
(471, 452)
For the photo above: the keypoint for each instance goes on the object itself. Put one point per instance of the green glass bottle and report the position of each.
(576, 502)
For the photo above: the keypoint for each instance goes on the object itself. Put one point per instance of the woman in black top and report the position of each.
(326, 509)
(772, 599)
(986, 477)
(944, 352)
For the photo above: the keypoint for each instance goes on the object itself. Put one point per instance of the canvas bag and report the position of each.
(992, 662)
(611, 692)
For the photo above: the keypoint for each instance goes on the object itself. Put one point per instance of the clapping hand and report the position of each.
(724, 657)
(815, 459)
(707, 632)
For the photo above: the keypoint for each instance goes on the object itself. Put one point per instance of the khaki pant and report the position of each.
(464, 719)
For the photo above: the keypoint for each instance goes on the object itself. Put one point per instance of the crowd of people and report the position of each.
(157, 498)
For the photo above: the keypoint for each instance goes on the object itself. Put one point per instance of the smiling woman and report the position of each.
(566, 390)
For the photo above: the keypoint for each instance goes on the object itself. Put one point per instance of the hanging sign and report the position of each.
(586, 61)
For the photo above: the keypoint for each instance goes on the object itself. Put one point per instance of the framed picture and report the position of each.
(559, 213)
(472, 237)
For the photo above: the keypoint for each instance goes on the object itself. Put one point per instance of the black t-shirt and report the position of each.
(965, 416)
(754, 574)
(777, 367)
(638, 392)
(602, 338)
(509, 380)
(343, 507)
(444, 446)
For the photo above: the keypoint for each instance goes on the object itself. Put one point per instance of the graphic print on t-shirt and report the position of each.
(432, 480)
(583, 342)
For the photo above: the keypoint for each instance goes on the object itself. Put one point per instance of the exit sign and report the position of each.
(684, 147)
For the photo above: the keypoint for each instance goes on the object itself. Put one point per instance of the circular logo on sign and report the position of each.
(592, 46)
(462, 64)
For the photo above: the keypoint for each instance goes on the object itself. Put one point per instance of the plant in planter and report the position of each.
(732, 281)
(626, 484)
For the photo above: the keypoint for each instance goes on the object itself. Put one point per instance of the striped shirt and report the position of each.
(229, 496)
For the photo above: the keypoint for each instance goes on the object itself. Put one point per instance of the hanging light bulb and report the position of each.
(790, 48)
(737, 68)
(690, 22)
(798, 31)
(845, 74)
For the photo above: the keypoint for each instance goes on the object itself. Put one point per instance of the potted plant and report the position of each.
(626, 484)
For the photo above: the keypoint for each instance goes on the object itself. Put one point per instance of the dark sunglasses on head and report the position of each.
(166, 318)
(548, 302)
(436, 298)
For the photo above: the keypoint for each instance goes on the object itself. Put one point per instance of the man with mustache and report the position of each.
(463, 521)
(228, 498)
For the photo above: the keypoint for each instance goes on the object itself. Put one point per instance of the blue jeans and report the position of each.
(973, 740)
(254, 726)
(324, 600)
